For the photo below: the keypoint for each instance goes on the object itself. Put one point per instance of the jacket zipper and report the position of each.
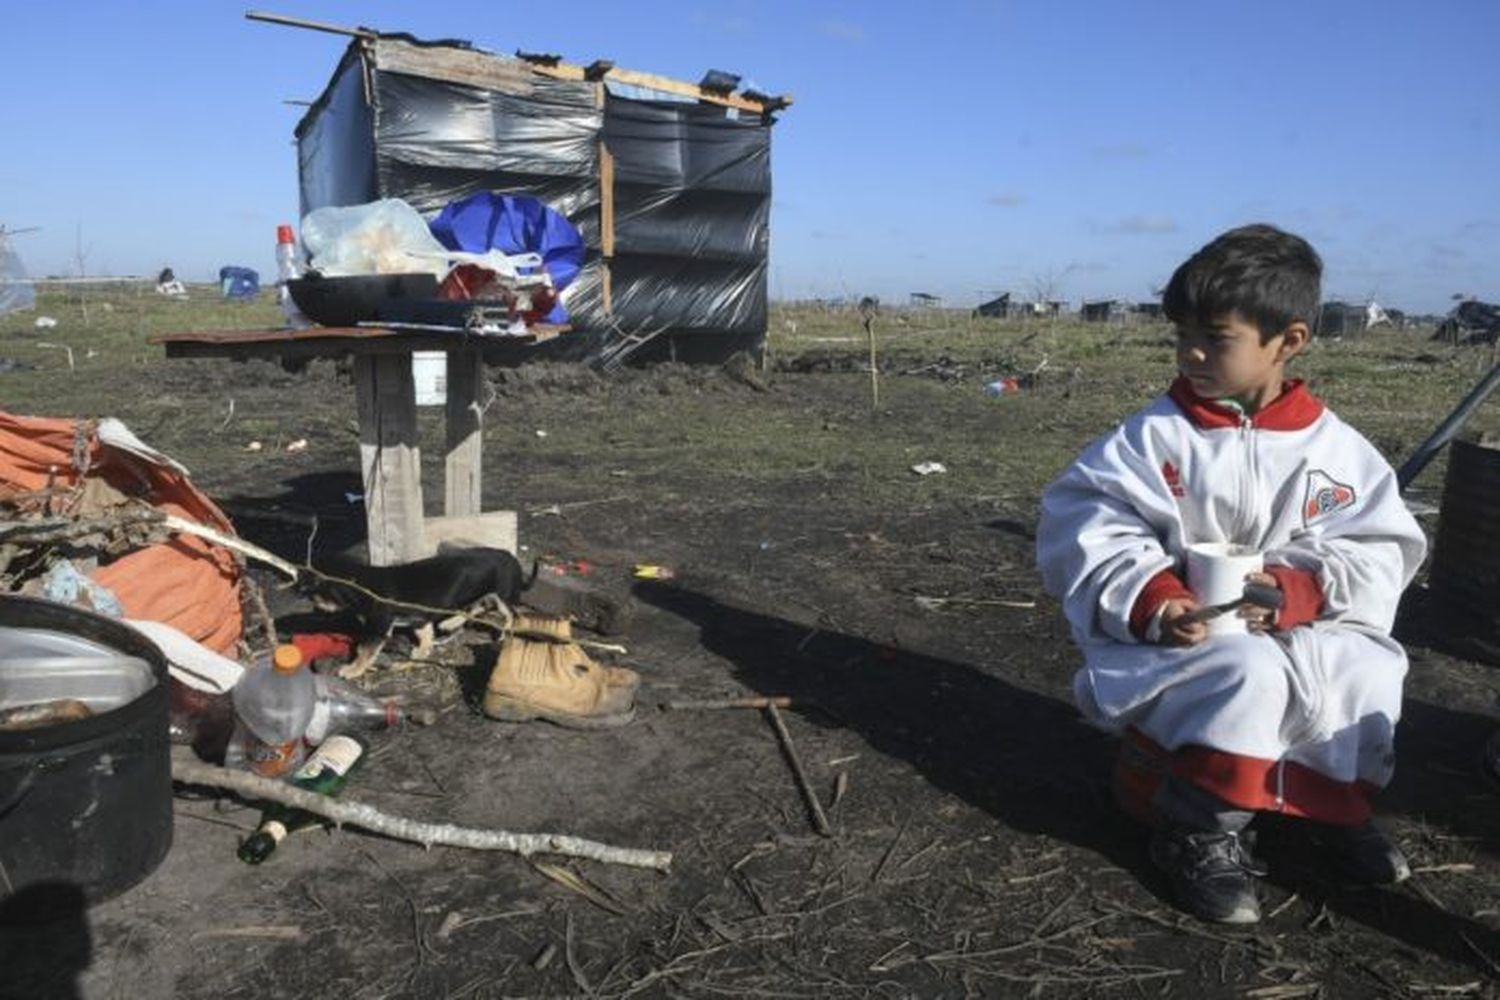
(1248, 494)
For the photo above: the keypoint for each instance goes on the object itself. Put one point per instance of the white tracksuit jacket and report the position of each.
(1300, 720)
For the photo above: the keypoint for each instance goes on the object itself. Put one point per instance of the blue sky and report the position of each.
(957, 147)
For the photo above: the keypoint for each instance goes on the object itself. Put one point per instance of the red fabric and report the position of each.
(1242, 782)
(1302, 595)
(323, 645)
(1293, 410)
(186, 582)
(1161, 588)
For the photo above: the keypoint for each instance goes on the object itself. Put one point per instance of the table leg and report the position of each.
(389, 458)
(464, 488)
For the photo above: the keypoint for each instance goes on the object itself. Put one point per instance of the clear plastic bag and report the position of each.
(15, 291)
(381, 237)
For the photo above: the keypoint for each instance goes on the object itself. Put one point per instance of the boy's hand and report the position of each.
(1257, 617)
(1179, 633)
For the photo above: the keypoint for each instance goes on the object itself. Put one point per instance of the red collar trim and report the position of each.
(1293, 410)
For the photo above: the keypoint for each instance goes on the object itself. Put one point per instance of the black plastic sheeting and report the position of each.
(336, 143)
(692, 190)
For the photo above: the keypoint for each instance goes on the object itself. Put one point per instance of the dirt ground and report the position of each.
(976, 849)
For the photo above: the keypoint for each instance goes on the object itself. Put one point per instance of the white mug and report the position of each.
(1216, 574)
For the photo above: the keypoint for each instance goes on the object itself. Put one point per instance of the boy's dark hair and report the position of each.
(1269, 277)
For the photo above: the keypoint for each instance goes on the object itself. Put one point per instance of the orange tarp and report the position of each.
(186, 582)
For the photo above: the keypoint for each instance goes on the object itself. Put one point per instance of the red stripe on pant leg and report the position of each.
(1251, 783)
(1240, 781)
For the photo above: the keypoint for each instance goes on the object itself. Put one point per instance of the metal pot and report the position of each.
(85, 803)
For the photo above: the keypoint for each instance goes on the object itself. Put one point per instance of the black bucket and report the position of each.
(87, 804)
(1465, 572)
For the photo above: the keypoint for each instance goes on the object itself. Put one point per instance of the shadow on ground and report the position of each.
(1028, 759)
(45, 942)
(314, 507)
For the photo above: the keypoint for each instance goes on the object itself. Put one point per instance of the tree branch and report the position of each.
(189, 770)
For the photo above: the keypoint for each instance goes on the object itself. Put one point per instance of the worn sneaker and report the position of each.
(1363, 855)
(1212, 874)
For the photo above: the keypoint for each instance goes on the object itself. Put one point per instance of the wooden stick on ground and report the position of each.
(712, 703)
(188, 769)
(820, 820)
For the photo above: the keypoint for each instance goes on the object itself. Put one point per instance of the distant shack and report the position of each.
(996, 308)
(1337, 320)
(1102, 311)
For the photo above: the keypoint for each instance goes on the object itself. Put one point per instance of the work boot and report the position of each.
(546, 628)
(557, 681)
(1212, 873)
(1363, 854)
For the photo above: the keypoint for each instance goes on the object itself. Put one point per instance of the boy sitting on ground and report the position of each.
(1297, 714)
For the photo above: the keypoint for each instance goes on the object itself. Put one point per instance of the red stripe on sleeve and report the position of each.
(1303, 595)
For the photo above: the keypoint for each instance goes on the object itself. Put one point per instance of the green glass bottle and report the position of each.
(325, 772)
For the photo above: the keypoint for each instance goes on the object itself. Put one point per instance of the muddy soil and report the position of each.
(976, 850)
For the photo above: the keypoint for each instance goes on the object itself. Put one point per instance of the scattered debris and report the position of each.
(298, 445)
(59, 347)
(45, 322)
(929, 468)
(1002, 387)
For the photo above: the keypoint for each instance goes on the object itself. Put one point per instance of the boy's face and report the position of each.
(1227, 359)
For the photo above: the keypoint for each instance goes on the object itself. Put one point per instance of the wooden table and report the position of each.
(385, 396)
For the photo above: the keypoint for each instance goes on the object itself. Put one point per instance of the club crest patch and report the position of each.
(1324, 496)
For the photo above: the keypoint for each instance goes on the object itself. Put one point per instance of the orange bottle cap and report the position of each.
(287, 659)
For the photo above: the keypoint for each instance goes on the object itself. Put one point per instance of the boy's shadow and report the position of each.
(1025, 758)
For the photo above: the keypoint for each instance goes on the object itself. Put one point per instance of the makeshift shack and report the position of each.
(1340, 319)
(669, 182)
(1102, 311)
(1470, 322)
(996, 308)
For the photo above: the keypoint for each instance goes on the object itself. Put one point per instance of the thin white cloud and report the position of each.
(844, 31)
(1141, 225)
(1006, 199)
(1478, 229)
(1127, 150)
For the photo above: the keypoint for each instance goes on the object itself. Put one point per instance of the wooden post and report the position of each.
(389, 458)
(607, 219)
(874, 365)
(463, 491)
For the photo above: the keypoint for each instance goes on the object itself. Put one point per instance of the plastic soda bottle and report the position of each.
(272, 705)
(326, 772)
(341, 707)
(286, 270)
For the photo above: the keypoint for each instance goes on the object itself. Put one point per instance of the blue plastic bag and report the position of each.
(239, 282)
(514, 224)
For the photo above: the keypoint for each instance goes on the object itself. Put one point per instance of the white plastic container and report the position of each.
(39, 665)
(429, 370)
(286, 270)
(1216, 574)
